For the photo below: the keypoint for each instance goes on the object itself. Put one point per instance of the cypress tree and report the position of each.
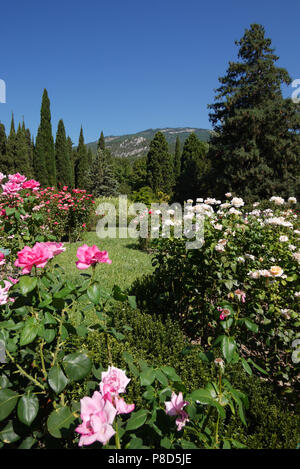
(72, 163)
(101, 142)
(81, 167)
(177, 158)
(3, 159)
(22, 157)
(44, 157)
(160, 167)
(11, 148)
(62, 157)
(255, 149)
(194, 167)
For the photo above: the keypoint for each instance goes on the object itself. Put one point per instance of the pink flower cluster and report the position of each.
(17, 182)
(38, 255)
(174, 407)
(98, 412)
(4, 292)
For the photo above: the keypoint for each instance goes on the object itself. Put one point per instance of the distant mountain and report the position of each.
(138, 144)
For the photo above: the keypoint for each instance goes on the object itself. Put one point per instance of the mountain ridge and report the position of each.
(137, 144)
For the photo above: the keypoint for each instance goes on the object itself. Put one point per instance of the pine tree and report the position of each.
(194, 167)
(3, 159)
(62, 157)
(44, 157)
(255, 149)
(81, 167)
(177, 158)
(11, 148)
(101, 178)
(160, 167)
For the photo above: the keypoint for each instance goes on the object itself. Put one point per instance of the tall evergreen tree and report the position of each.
(44, 157)
(81, 167)
(11, 148)
(101, 142)
(72, 162)
(3, 159)
(194, 167)
(177, 158)
(101, 177)
(160, 167)
(22, 162)
(255, 149)
(62, 157)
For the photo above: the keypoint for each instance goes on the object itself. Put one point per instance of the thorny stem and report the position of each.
(23, 372)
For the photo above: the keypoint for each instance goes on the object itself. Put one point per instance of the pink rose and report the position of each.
(114, 381)
(97, 416)
(31, 184)
(11, 188)
(90, 256)
(17, 178)
(2, 258)
(55, 248)
(175, 407)
(122, 407)
(37, 256)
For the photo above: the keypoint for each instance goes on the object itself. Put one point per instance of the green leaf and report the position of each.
(29, 331)
(185, 444)
(147, 377)
(8, 435)
(206, 356)
(77, 365)
(94, 293)
(226, 444)
(246, 366)
(161, 377)
(8, 401)
(201, 395)
(27, 443)
(135, 443)
(137, 419)
(171, 373)
(49, 335)
(59, 419)
(228, 348)
(28, 407)
(251, 325)
(57, 379)
(27, 284)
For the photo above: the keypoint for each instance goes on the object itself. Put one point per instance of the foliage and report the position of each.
(254, 150)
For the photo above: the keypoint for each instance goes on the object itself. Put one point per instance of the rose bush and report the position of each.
(247, 270)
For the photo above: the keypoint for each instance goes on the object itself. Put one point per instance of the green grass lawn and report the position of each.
(128, 262)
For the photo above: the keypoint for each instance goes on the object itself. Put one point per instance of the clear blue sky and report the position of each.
(127, 65)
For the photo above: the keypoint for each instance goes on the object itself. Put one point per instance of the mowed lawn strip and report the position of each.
(128, 262)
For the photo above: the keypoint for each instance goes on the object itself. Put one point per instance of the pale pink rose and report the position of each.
(55, 248)
(97, 416)
(4, 293)
(241, 295)
(37, 256)
(114, 381)
(31, 184)
(17, 178)
(122, 407)
(11, 188)
(90, 255)
(175, 407)
(2, 258)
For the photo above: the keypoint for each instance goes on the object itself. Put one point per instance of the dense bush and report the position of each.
(249, 266)
(270, 423)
